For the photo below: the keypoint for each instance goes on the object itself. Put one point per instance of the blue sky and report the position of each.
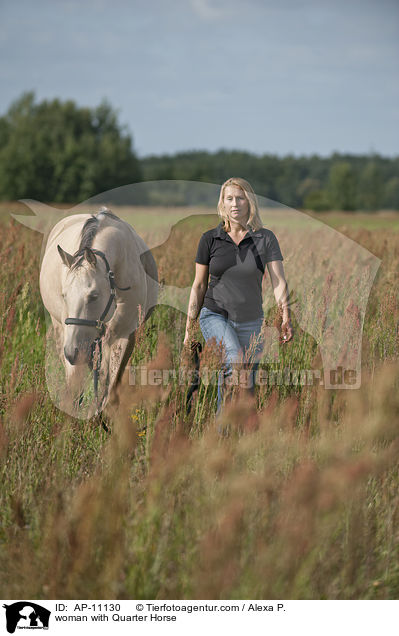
(295, 76)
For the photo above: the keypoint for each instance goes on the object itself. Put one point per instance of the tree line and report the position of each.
(340, 182)
(56, 151)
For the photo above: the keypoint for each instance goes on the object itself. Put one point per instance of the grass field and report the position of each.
(300, 500)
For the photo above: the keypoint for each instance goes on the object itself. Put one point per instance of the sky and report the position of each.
(282, 77)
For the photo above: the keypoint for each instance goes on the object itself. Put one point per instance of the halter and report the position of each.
(99, 324)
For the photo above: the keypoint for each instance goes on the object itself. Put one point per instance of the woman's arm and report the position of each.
(197, 294)
(280, 289)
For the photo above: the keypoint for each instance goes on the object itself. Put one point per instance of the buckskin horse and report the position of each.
(98, 281)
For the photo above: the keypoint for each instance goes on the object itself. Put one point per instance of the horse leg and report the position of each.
(80, 399)
(76, 376)
(102, 420)
(126, 357)
(114, 378)
(68, 394)
(58, 332)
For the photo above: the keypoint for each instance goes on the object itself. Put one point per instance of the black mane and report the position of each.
(89, 231)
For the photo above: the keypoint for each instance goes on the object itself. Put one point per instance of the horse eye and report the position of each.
(92, 297)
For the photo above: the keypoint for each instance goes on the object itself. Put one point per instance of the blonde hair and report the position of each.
(254, 220)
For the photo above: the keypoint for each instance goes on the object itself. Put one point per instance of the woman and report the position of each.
(233, 257)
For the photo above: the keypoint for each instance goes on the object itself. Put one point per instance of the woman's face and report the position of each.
(236, 204)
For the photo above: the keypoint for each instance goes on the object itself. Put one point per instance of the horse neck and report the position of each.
(105, 242)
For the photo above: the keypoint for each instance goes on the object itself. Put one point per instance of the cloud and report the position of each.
(207, 10)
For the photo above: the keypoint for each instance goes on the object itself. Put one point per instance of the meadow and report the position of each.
(299, 500)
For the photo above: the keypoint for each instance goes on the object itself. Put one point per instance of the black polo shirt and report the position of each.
(236, 271)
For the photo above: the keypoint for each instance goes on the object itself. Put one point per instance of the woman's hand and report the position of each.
(280, 289)
(286, 332)
(191, 344)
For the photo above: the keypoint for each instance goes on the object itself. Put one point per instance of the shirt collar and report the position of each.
(221, 233)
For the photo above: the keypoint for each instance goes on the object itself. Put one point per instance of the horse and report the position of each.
(99, 283)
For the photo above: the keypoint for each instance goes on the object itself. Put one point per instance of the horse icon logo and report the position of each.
(26, 615)
(330, 276)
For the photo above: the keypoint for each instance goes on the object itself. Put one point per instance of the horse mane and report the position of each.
(89, 231)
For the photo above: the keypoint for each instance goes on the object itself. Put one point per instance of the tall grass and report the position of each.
(299, 500)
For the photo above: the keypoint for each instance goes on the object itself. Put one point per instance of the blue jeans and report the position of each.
(236, 340)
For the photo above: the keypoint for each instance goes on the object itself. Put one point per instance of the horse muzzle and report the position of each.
(78, 355)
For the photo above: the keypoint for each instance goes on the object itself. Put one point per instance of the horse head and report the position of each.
(85, 293)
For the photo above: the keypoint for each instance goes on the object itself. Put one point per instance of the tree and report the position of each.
(317, 183)
(317, 200)
(57, 151)
(370, 187)
(391, 194)
(342, 186)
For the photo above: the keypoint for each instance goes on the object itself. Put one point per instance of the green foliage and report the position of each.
(370, 187)
(317, 200)
(391, 194)
(56, 151)
(339, 182)
(342, 186)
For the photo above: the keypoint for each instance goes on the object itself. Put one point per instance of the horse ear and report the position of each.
(66, 258)
(90, 256)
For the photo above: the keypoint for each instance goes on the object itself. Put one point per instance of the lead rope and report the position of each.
(96, 366)
(97, 358)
